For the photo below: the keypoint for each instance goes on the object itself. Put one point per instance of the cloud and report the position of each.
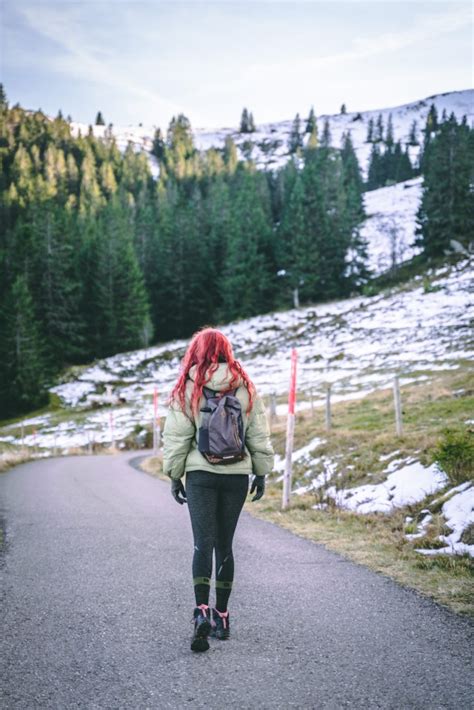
(424, 28)
(81, 53)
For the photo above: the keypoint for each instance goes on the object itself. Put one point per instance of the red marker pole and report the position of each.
(290, 432)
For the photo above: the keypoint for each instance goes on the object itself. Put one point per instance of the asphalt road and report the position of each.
(97, 604)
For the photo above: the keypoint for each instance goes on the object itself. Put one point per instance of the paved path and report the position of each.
(98, 600)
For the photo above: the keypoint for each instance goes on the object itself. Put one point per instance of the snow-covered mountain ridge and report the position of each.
(269, 141)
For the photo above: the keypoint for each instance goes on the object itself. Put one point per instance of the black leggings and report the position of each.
(215, 501)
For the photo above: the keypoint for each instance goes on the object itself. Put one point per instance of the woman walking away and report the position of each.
(216, 433)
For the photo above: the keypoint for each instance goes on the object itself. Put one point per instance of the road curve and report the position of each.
(97, 603)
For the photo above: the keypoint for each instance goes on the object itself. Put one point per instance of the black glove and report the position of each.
(177, 488)
(258, 485)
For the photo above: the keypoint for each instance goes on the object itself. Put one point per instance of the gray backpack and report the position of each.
(221, 434)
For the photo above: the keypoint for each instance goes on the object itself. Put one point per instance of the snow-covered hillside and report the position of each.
(356, 344)
(269, 142)
(389, 229)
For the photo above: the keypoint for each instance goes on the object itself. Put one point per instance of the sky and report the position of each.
(147, 60)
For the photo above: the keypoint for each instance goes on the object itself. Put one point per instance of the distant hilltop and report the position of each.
(268, 144)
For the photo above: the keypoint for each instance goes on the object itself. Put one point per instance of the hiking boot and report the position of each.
(220, 624)
(202, 628)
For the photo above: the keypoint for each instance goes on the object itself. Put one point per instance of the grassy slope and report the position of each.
(363, 430)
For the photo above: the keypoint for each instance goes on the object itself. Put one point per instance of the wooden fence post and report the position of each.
(155, 411)
(112, 435)
(272, 406)
(398, 406)
(328, 407)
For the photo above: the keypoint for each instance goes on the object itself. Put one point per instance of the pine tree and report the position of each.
(318, 193)
(374, 175)
(252, 127)
(389, 139)
(429, 132)
(432, 121)
(55, 284)
(370, 131)
(217, 223)
(158, 146)
(90, 198)
(413, 136)
(180, 137)
(311, 125)
(22, 362)
(230, 155)
(99, 120)
(107, 179)
(245, 283)
(352, 214)
(379, 129)
(295, 140)
(283, 183)
(3, 97)
(72, 175)
(343, 109)
(165, 279)
(352, 175)
(313, 139)
(244, 122)
(447, 207)
(403, 166)
(121, 300)
(182, 263)
(326, 137)
(297, 245)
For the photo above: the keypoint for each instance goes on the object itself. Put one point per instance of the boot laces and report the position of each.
(224, 615)
(204, 609)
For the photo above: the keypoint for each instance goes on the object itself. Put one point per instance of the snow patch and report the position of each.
(408, 485)
(459, 514)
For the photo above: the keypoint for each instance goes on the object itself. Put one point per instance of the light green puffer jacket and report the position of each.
(180, 444)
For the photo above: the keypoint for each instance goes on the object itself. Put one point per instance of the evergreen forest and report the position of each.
(99, 257)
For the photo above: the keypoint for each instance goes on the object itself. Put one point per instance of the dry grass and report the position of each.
(376, 541)
(153, 465)
(363, 431)
(8, 459)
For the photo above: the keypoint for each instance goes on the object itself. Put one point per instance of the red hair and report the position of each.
(207, 349)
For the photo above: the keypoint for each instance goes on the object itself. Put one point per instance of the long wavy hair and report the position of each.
(207, 349)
